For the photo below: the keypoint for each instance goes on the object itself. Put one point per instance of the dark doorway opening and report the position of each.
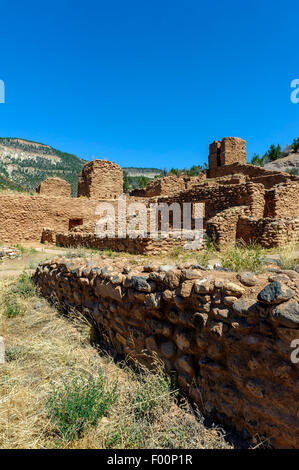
(218, 157)
(74, 222)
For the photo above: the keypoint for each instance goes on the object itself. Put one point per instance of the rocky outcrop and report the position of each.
(290, 162)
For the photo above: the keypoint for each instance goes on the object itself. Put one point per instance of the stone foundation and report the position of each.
(225, 338)
(138, 245)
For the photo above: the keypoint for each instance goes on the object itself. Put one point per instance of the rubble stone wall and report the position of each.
(227, 344)
(282, 200)
(220, 197)
(222, 228)
(256, 174)
(138, 245)
(54, 187)
(169, 185)
(233, 149)
(268, 232)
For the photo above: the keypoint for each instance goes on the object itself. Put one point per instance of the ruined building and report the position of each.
(242, 202)
(100, 179)
(225, 337)
(54, 186)
(227, 152)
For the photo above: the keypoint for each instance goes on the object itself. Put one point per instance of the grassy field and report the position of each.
(58, 391)
(237, 258)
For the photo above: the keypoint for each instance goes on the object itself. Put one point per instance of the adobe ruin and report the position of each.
(242, 202)
(226, 338)
(54, 187)
(227, 152)
(100, 179)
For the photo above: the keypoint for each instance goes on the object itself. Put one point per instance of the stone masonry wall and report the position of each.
(100, 179)
(222, 228)
(233, 149)
(138, 245)
(226, 338)
(54, 187)
(256, 174)
(268, 232)
(229, 151)
(169, 185)
(220, 197)
(23, 217)
(282, 200)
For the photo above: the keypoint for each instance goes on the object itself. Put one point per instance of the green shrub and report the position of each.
(128, 437)
(242, 258)
(14, 353)
(295, 145)
(11, 309)
(80, 403)
(24, 286)
(22, 249)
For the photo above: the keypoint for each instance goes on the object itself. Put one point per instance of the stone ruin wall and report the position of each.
(253, 173)
(232, 212)
(100, 179)
(282, 200)
(268, 233)
(27, 216)
(169, 185)
(276, 226)
(222, 229)
(229, 151)
(146, 245)
(54, 187)
(220, 197)
(24, 217)
(225, 196)
(227, 344)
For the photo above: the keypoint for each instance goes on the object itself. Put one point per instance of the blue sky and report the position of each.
(149, 83)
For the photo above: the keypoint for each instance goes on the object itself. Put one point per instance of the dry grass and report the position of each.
(288, 256)
(45, 350)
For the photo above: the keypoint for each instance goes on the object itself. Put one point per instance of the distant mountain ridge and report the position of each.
(25, 163)
(148, 172)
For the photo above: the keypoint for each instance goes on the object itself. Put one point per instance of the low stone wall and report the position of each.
(130, 245)
(268, 177)
(268, 232)
(225, 338)
(169, 185)
(232, 225)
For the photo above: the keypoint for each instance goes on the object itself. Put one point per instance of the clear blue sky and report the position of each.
(149, 83)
